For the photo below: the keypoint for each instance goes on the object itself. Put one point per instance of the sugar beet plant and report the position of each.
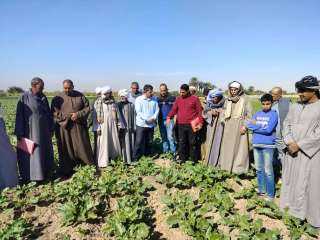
(190, 216)
(85, 197)
(16, 230)
(88, 197)
(188, 175)
(130, 220)
(215, 206)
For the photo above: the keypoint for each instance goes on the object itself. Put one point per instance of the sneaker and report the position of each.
(268, 199)
(133, 163)
(261, 194)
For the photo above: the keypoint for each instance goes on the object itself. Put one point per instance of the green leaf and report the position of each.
(140, 231)
(268, 212)
(311, 231)
(173, 220)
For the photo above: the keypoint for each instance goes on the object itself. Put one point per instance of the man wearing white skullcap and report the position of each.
(126, 115)
(235, 84)
(98, 90)
(105, 90)
(234, 153)
(108, 144)
(123, 93)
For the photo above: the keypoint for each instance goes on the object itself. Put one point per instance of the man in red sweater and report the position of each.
(187, 108)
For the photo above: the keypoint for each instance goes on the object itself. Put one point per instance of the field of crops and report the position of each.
(155, 199)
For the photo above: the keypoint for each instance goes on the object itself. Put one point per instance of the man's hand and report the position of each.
(293, 148)
(168, 121)
(198, 127)
(74, 116)
(151, 121)
(214, 112)
(243, 130)
(252, 121)
(100, 120)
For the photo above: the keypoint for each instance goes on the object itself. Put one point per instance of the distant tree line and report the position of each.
(14, 90)
(201, 86)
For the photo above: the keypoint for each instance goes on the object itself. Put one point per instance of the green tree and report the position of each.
(15, 90)
(250, 90)
(200, 86)
(209, 85)
(194, 82)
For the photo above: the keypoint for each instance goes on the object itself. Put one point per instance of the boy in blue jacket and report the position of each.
(263, 125)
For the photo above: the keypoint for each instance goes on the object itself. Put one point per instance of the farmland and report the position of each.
(155, 199)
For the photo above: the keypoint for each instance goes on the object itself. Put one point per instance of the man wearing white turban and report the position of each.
(108, 145)
(98, 91)
(123, 93)
(193, 90)
(234, 152)
(126, 116)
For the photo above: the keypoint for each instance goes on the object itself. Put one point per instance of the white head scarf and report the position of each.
(106, 89)
(98, 90)
(192, 88)
(123, 93)
(235, 84)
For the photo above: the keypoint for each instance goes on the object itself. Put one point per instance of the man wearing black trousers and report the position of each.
(147, 111)
(187, 108)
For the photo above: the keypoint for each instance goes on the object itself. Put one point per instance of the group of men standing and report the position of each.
(283, 133)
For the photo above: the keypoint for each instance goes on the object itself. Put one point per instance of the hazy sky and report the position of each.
(94, 43)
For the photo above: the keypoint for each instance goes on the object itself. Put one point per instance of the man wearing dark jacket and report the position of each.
(281, 105)
(187, 108)
(166, 102)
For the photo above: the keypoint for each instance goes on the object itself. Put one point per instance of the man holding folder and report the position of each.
(188, 109)
(34, 129)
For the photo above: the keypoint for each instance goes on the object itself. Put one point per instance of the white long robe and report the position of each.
(108, 145)
(234, 152)
(300, 190)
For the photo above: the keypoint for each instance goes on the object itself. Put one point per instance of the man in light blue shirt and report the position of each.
(147, 111)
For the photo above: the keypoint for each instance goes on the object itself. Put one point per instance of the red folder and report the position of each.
(26, 145)
(196, 124)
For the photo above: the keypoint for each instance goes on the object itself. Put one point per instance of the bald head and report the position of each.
(276, 93)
